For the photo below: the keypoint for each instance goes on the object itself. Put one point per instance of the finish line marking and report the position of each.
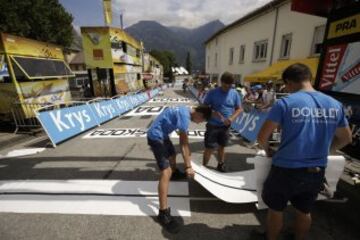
(51, 197)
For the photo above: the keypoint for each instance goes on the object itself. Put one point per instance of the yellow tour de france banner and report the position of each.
(14, 45)
(107, 11)
(346, 26)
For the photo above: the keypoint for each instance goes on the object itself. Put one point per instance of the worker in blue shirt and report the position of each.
(312, 124)
(226, 105)
(172, 119)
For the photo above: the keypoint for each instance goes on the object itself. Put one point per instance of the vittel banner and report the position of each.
(341, 69)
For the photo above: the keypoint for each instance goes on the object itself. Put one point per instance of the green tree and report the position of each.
(188, 63)
(43, 20)
(167, 59)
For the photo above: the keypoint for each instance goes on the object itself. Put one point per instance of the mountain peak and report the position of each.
(176, 39)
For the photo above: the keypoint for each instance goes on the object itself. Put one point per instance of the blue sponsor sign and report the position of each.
(122, 105)
(249, 124)
(65, 123)
(104, 110)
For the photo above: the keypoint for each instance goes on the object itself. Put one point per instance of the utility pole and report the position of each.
(121, 19)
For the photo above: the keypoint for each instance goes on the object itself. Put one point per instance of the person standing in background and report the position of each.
(226, 105)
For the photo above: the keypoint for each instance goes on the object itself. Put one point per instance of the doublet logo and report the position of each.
(314, 112)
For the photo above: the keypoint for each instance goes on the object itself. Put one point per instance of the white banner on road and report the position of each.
(147, 111)
(170, 100)
(94, 197)
(136, 133)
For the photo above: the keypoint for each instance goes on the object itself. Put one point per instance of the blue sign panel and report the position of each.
(249, 124)
(122, 105)
(104, 110)
(67, 122)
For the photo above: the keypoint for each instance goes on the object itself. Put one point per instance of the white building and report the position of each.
(270, 34)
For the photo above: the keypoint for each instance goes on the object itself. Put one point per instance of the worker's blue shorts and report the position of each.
(300, 186)
(162, 150)
(216, 136)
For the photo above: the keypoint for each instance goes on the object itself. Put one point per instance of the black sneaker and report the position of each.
(168, 222)
(221, 167)
(178, 175)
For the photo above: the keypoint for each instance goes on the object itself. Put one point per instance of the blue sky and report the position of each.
(181, 13)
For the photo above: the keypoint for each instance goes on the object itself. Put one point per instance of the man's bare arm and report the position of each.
(342, 138)
(185, 151)
(237, 112)
(264, 135)
(229, 120)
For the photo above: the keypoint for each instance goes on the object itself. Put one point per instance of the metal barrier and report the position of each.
(24, 115)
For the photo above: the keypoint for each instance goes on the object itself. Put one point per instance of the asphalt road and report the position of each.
(130, 159)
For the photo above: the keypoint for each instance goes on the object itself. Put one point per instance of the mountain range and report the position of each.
(176, 39)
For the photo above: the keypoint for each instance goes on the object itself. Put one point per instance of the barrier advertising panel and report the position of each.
(67, 122)
(62, 124)
(249, 124)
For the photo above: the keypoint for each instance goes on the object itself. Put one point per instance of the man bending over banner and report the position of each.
(171, 119)
(226, 104)
(312, 123)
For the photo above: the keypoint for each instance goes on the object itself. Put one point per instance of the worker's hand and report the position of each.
(270, 152)
(227, 122)
(190, 172)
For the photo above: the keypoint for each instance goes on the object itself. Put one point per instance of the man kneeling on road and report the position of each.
(226, 105)
(175, 118)
(312, 123)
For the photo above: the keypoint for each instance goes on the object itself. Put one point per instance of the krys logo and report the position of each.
(247, 122)
(70, 120)
(104, 110)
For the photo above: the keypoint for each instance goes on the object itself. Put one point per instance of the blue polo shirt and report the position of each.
(222, 102)
(171, 119)
(308, 121)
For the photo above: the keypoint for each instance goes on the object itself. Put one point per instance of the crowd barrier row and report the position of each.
(62, 124)
(248, 124)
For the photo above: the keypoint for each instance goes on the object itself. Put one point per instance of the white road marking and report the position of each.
(98, 197)
(170, 100)
(91, 187)
(136, 133)
(23, 152)
(117, 133)
(192, 134)
(146, 111)
(95, 205)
